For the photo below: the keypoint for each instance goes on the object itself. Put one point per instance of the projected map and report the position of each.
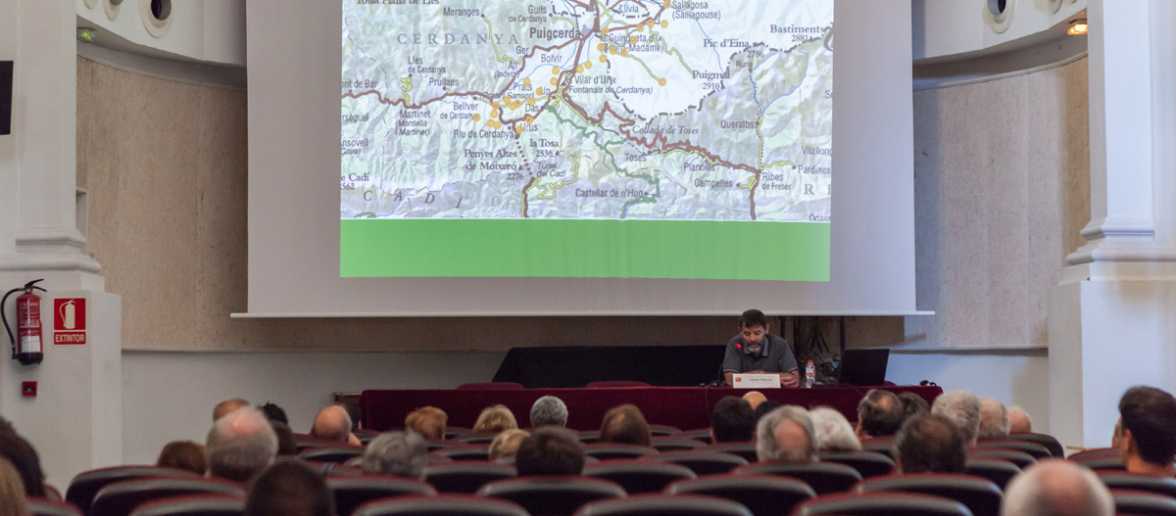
(716, 110)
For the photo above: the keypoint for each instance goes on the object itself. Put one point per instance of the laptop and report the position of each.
(864, 366)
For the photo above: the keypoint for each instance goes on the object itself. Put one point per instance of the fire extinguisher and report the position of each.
(26, 344)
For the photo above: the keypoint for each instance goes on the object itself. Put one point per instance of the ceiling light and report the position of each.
(1077, 27)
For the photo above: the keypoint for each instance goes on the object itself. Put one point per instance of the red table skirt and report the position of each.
(682, 407)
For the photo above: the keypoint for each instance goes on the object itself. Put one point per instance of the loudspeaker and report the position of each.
(5, 97)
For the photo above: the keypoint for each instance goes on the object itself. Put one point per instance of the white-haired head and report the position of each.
(785, 435)
(961, 408)
(1057, 487)
(832, 431)
(549, 411)
(240, 445)
(994, 419)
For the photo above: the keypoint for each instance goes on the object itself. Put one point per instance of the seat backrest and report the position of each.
(869, 464)
(441, 505)
(82, 489)
(675, 443)
(881, 504)
(351, 492)
(589, 436)
(980, 495)
(882, 445)
(542, 496)
(609, 451)
(43, 507)
(479, 439)
(337, 455)
(1122, 480)
(702, 435)
(453, 432)
(763, 495)
(1021, 459)
(466, 477)
(702, 462)
(823, 477)
(1038, 451)
(664, 430)
(1107, 464)
(999, 472)
(464, 453)
(1129, 501)
(742, 449)
(193, 505)
(664, 505)
(491, 386)
(1050, 442)
(638, 477)
(120, 498)
(1094, 453)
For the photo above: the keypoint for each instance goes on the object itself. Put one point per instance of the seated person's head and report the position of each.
(913, 405)
(785, 435)
(1057, 487)
(550, 451)
(1147, 430)
(274, 413)
(428, 421)
(332, 423)
(1019, 421)
(962, 408)
(494, 419)
(754, 398)
(880, 414)
(930, 444)
(506, 444)
(549, 411)
(286, 443)
(753, 328)
(625, 424)
(13, 500)
(223, 408)
(185, 455)
(832, 432)
(289, 488)
(732, 420)
(764, 408)
(994, 420)
(396, 453)
(21, 454)
(240, 445)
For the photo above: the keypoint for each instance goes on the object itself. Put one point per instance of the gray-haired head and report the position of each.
(962, 408)
(785, 435)
(396, 453)
(1019, 421)
(549, 411)
(240, 445)
(1057, 487)
(994, 420)
(832, 431)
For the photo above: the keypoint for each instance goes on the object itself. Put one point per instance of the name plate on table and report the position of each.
(755, 380)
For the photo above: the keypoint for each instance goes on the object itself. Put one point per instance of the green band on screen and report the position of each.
(781, 251)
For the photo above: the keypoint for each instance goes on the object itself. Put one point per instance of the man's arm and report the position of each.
(731, 363)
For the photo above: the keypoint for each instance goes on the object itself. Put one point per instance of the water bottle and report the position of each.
(810, 374)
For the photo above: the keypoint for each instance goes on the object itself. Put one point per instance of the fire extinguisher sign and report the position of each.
(69, 321)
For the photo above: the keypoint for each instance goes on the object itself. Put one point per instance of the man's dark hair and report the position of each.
(274, 413)
(752, 318)
(550, 451)
(625, 424)
(24, 458)
(765, 407)
(880, 413)
(286, 443)
(1150, 414)
(289, 487)
(930, 444)
(732, 420)
(913, 405)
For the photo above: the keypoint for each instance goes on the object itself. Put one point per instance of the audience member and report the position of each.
(754, 398)
(832, 432)
(880, 413)
(240, 445)
(333, 423)
(994, 420)
(930, 444)
(785, 435)
(1019, 421)
(12, 491)
(24, 458)
(185, 455)
(428, 421)
(223, 408)
(625, 424)
(494, 419)
(913, 405)
(962, 408)
(549, 411)
(286, 444)
(506, 444)
(289, 488)
(550, 451)
(1056, 487)
(274, 413)
(733, 420)
(402, 454)
(1146, 435)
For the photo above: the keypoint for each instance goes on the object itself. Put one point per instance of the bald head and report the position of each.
(994, 419)
(223, 408)
(332, 423)
(1056, 487)
(754, 398)
(240, 445)
(1019, 421)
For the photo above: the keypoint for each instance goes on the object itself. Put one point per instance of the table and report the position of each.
(682, 407)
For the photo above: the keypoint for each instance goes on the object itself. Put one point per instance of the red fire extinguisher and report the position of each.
(26, 344)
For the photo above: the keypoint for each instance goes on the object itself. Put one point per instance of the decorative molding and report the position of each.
(1044, 55)
(1118, 228)
(188, 72)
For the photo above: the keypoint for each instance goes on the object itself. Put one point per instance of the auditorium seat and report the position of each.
(1108, 464)
(702, 462)
(335, 469)
(869, 464)
(610, 451)
(743, 449)
(303, 442)
(604, 384)
(351, 492)
(1131, 502)
(762, 494)
(589, 436)
(999, 472)
(823, 477)
(664, 430)
(664, 505)
(1021, 459)
(554, 496)
(464, 453)
(639, 476)
(480, 439)
(881, 504)
(453, 432)
(1122, 480)
(675, 443)
(491, 386)
(702, 435)
(43, 507)
(1050, 442)
(86, 484)
(193, 505)
(442, 505)
(1036, 450)
(882, 445)
(980, 495)
(337, 455)
(120, 498)
(466, 477)
(1094, 454)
